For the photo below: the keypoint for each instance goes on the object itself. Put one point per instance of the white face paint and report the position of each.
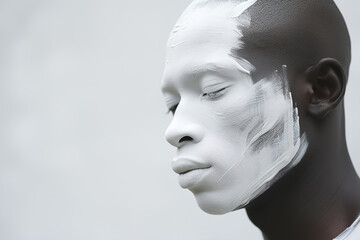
(234, 137)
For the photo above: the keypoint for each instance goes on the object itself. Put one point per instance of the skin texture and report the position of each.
(319, 197)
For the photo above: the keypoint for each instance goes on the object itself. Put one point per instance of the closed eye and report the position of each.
(215, 94)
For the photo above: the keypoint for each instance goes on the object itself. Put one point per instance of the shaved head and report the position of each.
(296, 32)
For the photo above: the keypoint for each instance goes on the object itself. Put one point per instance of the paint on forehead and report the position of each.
(211, 25)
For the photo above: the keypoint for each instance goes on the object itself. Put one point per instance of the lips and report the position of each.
(184, 165)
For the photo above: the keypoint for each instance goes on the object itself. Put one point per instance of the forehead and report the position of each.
(202, 27)
(205, 35)
(215, 19)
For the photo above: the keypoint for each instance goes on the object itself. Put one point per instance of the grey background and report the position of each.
(82, 152)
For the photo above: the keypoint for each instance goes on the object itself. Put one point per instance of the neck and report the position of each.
(317, 199)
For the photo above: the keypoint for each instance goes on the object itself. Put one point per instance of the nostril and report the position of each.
(186, 138)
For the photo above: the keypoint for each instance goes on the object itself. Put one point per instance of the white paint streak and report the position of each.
(229, 15)
(269, 136)
(242, 7)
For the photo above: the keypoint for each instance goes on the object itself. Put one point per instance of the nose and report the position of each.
(182, 130)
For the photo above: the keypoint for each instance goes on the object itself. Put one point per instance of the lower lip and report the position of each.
(192, 178)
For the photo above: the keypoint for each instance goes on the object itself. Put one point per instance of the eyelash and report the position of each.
(214, 95)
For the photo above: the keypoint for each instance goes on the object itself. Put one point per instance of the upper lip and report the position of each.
(183, 165)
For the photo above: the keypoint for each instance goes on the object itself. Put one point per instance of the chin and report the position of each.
(216, 205)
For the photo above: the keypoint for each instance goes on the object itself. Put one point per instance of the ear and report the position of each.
(328, 81)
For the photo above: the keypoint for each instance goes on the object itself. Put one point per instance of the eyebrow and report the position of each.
(198, 71)
(204, 68)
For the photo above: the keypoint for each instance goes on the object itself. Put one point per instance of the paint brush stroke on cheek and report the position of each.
(268, 124)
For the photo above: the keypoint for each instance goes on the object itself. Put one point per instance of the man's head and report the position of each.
(231, 69)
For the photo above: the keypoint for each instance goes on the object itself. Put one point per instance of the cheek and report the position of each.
(261, 120)
(240, 119)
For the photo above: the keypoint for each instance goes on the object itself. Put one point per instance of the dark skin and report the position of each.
(320, 197)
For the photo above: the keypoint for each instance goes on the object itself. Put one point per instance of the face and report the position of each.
(233, 136)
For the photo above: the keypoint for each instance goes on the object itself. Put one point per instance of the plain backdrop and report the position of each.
(82, 120)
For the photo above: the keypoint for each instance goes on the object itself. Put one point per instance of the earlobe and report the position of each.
(328, 81)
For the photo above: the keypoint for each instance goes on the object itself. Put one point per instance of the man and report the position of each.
(256, 89)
